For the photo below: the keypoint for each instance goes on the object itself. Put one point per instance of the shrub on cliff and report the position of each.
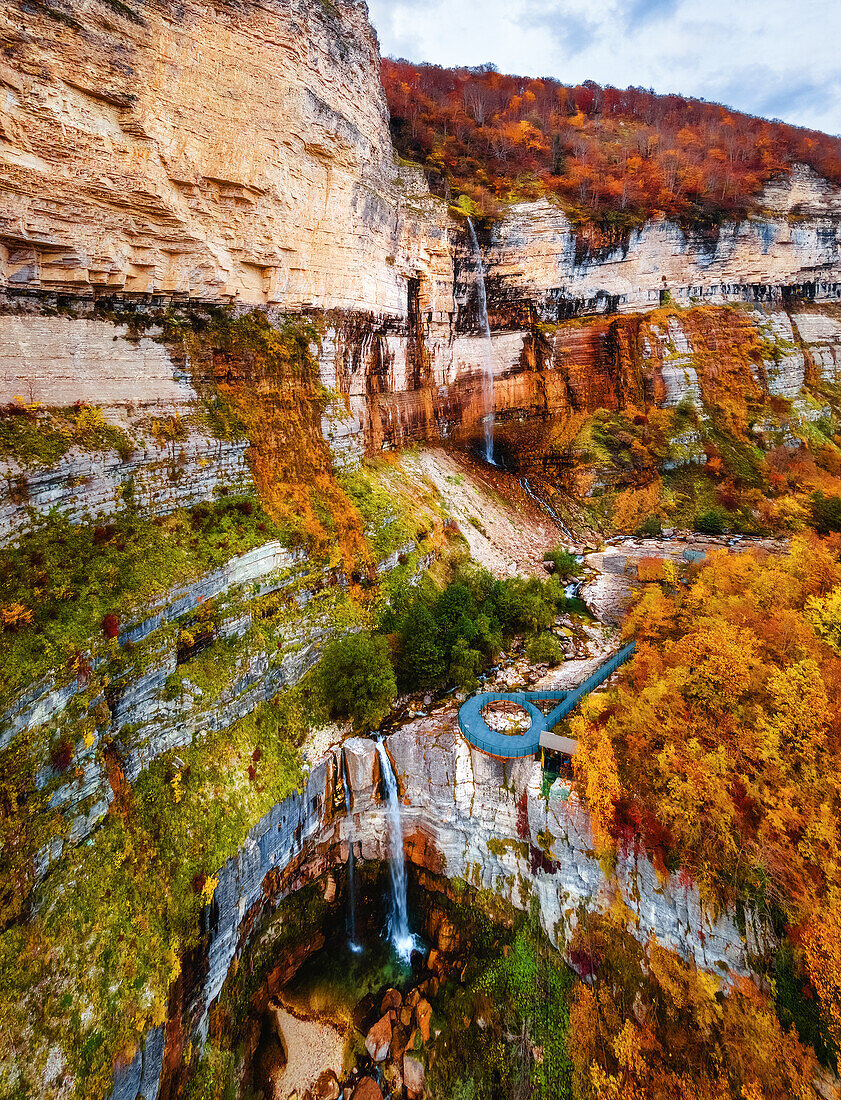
(564, 564)
(710, 523)
(544, 648)
(357, 679)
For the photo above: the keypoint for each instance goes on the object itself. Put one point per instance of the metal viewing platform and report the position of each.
(505, 746)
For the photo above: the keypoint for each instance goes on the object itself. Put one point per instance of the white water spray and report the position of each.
(488, 377)
(398, 921)
(353, 944)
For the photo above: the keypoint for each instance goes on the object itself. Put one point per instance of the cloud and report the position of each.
(640, 13)
(573, 31)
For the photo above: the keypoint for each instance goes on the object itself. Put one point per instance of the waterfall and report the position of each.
(355, 947)
(546, 507)
(488, 379)
(398, 921)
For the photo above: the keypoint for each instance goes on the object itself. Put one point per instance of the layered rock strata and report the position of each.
(464, 816)
(240, 153)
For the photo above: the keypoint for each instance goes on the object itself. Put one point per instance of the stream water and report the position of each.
(547, 508)
(398, 921)
(488, 375)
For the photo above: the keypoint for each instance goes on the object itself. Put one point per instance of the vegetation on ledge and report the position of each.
(67, 589)
(37, 437)
(90, 972)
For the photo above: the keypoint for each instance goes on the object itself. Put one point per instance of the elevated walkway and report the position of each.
(512, 747)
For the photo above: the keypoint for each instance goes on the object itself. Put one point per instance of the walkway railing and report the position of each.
(512, 747)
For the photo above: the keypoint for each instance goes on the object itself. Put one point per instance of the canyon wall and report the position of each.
(465, 816)
(239, 153)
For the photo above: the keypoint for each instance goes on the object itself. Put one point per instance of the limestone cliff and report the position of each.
(231, 150)
(464, 816)
(237, 152)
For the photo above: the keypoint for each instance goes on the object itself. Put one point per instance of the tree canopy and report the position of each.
(613, 157)
(720, 750)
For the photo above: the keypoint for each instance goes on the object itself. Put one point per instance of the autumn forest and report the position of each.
(611, 158)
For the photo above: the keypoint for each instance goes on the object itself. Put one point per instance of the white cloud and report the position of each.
(767, 57)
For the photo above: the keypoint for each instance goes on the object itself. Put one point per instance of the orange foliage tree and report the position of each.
(724, 744)
(650, 1026)
(613, 157)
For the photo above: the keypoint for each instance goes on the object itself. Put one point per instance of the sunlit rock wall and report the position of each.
(532, 255)
(231, 150)
(464, 816)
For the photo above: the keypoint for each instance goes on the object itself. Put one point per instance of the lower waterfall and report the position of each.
(398, 922)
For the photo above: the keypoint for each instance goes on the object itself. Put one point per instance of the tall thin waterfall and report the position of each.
(355, 947)
(398, 921)
(488, 377)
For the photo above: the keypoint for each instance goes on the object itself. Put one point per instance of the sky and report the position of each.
(775, 58)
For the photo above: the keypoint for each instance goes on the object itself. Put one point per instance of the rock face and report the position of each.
(239, 152)
(215, 151)
(533, 257)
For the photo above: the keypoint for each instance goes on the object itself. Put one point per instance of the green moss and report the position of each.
(69, 577)
(518, 984)
(499, 847)
(387, 525)
(36, 437)
(90, 973)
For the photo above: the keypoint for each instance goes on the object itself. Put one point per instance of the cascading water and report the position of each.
(488, 378)
(546, 507)
(398, 922)
(354, 946)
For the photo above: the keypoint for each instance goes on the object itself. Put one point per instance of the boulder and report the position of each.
(399, 1041)
(423, 1015)
(392, 999)
(367, 1089)
(363, 1013)
(378, 1039)
(327, 1086)
(414, 1075)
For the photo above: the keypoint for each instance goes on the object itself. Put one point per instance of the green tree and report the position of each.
(421, 662)
(357, 679)
(465, 665)
(826, 513)
(544, 648)
(455, 613)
